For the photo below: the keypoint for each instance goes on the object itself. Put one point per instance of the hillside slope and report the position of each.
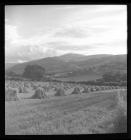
(72, 63)
(9, 65)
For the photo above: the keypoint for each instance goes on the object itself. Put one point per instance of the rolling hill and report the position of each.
(70, 65)
(71, 57)
(9, 65)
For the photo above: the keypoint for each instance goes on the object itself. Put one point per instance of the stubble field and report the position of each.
(93, 113)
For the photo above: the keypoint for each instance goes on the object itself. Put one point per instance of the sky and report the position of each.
(39, 31)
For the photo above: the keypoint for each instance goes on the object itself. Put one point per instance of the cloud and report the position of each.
(67, 47)
(84, 29)
(11, 33)
(75, 32)
(64, 41)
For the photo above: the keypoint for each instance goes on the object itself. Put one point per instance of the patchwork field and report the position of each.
(78, 78)
(92, 113)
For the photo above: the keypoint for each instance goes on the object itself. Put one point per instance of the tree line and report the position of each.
(37, 72)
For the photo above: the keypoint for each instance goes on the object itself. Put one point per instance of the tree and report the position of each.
(10, 73)
(34, 72)
(114, 76)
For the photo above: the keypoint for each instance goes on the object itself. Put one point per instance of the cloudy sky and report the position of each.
(38, 31)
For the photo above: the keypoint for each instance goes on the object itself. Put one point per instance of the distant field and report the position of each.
(81, 78)
(90, 113)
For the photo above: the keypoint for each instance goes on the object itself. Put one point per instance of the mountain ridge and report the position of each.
(74, 62)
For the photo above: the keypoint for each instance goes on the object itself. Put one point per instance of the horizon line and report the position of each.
(23, 61)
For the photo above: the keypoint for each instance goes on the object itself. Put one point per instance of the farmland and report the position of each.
(80, 109)
(81, 78)
(65, 69)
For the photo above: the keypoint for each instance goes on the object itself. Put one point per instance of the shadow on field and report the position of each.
(120, 123)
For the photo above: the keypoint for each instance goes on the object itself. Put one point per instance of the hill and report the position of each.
(72, 57)
(70, 65)
(9, 65)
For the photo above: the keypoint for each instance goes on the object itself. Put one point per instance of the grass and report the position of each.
(74, 114)
(81, 78)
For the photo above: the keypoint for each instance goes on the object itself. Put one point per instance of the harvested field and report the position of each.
(65, 69)
(92, 113)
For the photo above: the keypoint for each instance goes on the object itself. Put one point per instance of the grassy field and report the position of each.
(81, 78)
(91, 113)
